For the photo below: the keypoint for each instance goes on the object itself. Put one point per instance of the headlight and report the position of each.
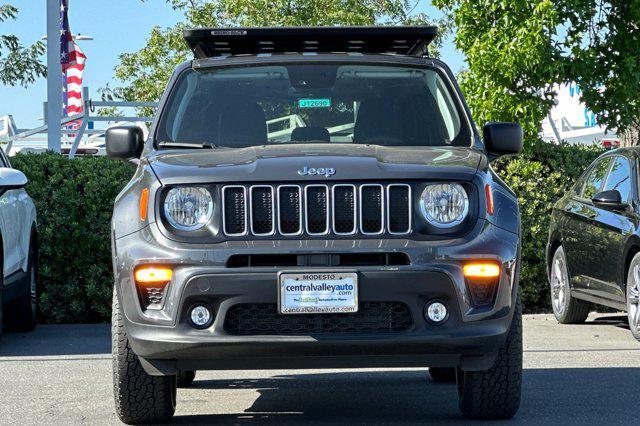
(444, 204)
(188, 208)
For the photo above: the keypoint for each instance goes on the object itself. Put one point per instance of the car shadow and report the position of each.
(553, 396)
(621, 321)
(57, 340)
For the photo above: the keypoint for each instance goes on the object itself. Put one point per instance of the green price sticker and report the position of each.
(314, 103)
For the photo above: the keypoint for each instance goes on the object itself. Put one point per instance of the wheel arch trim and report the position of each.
(555, 241)
(631, 249)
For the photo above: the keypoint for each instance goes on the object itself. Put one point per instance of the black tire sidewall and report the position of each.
(33, 269)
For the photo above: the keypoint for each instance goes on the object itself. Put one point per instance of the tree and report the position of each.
(144, 73)
(603, 45)
(512, 61)
(517, 49)
(18, 64)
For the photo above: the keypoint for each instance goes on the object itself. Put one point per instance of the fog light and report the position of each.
(200, 316)
(436, 312)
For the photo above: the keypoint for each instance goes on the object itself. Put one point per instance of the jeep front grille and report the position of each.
(316, 210)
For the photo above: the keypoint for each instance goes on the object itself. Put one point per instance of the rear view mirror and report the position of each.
(503, 138)
(609, 200)
(124, 143)
(11, 179)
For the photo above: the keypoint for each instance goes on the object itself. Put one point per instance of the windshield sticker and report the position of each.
(314, 103)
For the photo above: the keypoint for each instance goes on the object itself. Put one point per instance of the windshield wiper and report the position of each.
(187, 145)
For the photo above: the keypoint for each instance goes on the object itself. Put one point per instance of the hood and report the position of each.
(314, 162)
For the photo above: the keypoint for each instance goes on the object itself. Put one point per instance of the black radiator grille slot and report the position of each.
(317, 210)
(399, 215)
(253, 319)
(234, 210)
(371, 209)
(262, 210)
(344, 209)
(290, 214)
(325, 259)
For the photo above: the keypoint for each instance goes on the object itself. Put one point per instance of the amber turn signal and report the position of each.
(482, 279)
(481, 270)
(153, 274)
(489, 195)
(144, 204)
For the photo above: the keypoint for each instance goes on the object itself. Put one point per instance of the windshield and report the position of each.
(312, 103)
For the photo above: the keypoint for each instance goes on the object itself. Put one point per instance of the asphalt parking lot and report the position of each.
(582, 374)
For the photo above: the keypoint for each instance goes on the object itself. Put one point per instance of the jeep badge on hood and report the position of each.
(320, 171)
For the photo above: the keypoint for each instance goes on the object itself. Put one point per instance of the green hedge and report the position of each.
(539, 177)
(74, 200)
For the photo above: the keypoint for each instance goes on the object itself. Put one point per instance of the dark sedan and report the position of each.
(593, 254)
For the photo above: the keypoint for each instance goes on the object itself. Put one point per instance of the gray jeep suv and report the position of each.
(315, 198)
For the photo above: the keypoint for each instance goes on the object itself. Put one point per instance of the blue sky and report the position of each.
(117, 26)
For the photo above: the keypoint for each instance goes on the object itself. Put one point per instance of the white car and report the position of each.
(19, 254)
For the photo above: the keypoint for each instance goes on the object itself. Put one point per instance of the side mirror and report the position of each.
(502, 139)
(124, 143)
(609, 200)
(11, 179)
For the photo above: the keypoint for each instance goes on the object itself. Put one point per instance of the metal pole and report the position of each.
(554, 128)
(54, 76)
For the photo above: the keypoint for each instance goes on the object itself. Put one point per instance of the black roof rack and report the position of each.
(409, 40)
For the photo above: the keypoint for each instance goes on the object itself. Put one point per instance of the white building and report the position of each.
(570, 120)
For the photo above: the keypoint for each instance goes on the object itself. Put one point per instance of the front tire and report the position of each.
(494, 394)
(566, 308)
(139, 397)
(633, 296)
(21, 313)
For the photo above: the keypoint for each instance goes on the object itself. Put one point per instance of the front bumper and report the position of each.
(166, 342)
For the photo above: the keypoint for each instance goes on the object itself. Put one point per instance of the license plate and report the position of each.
(318, 293)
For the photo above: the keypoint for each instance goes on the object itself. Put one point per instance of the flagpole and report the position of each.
(54, 77)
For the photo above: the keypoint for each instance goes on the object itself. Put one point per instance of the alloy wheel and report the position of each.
(633, 300)
(559, 285)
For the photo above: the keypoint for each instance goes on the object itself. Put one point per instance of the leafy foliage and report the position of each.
(74, 202)
(517, 49)
(603, 57)
(18, 64)
(510, 55)
(540, 177)
(144, 73)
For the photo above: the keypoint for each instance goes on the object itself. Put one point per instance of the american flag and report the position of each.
(72, 60)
